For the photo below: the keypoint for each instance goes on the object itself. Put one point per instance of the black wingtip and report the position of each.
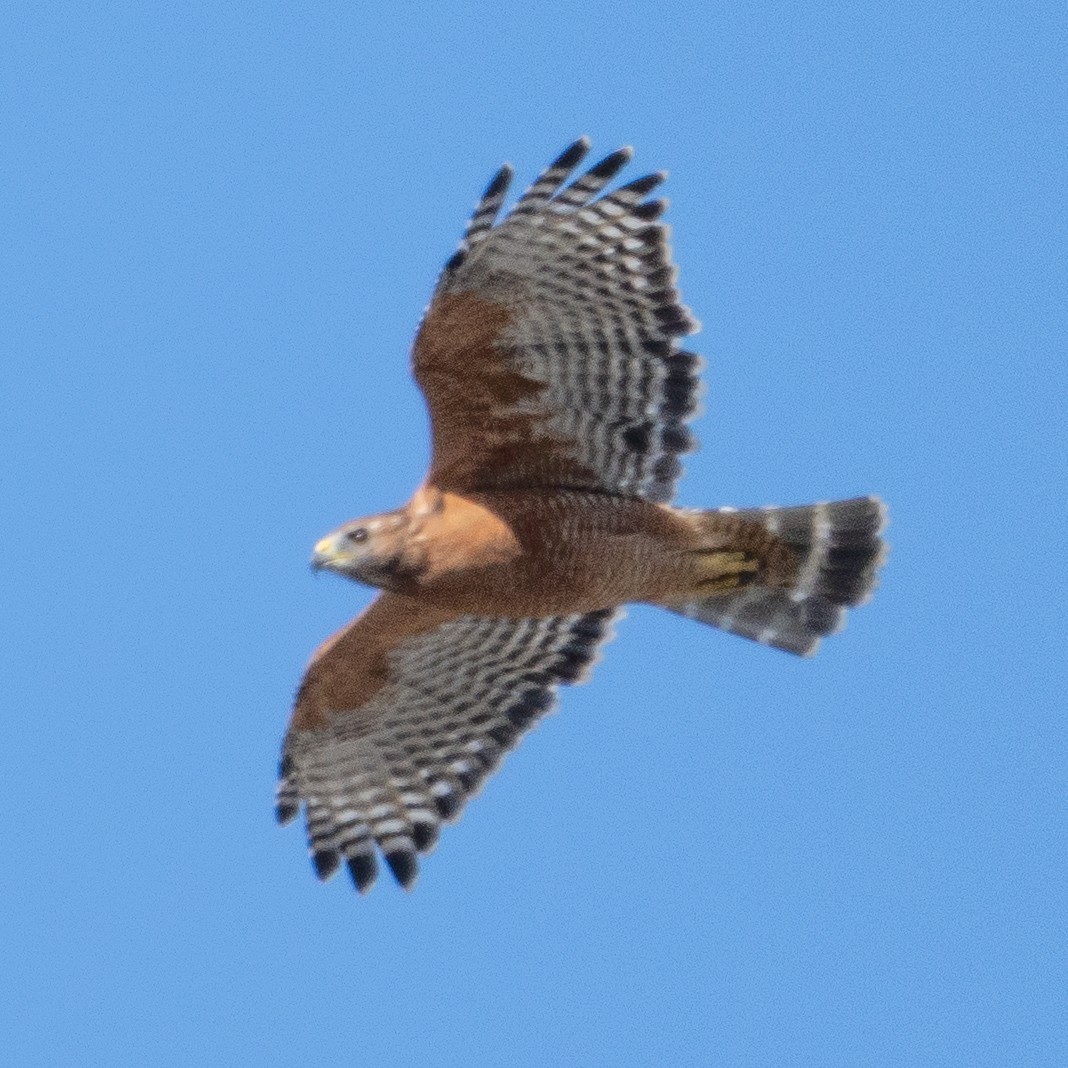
(285, 812)
(447, 801)
(573, 154)
(650, 210)
(613, 163)
(363, 870)
(325, 862)
(425, 835)
(404, 865)
(499, 182)
(641, 186)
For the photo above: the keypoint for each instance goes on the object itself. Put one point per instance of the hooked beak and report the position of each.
(327, 553)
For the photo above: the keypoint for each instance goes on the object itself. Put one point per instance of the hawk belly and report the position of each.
(530, 555)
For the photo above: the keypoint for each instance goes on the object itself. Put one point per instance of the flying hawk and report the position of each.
(558, 399)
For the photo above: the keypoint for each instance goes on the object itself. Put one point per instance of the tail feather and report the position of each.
(838, 551)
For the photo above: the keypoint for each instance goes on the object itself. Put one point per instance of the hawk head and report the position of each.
(375, 551)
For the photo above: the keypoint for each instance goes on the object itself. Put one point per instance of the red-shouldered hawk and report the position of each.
(558, 399)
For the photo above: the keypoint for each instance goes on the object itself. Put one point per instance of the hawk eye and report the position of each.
(357, 535)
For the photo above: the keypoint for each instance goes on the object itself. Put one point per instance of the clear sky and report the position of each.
(222, 222)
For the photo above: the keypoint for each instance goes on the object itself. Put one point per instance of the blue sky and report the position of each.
(223, 223)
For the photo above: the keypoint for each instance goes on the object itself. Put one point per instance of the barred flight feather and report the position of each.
(383, 778)
(594, 318)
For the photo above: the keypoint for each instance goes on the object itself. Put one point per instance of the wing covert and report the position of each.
(382, 759)
(548, 355)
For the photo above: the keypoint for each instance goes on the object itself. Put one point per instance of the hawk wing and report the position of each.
(548, 354)
(401, 716)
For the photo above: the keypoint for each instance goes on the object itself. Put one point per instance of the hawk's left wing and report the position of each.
(549, 355)
(401, 716)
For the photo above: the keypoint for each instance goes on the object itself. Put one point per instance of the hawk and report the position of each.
(558, 399)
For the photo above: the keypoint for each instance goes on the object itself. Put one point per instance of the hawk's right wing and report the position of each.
(548, 355)
(402, 715)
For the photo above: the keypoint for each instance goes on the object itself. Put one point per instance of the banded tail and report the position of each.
(838, 552)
